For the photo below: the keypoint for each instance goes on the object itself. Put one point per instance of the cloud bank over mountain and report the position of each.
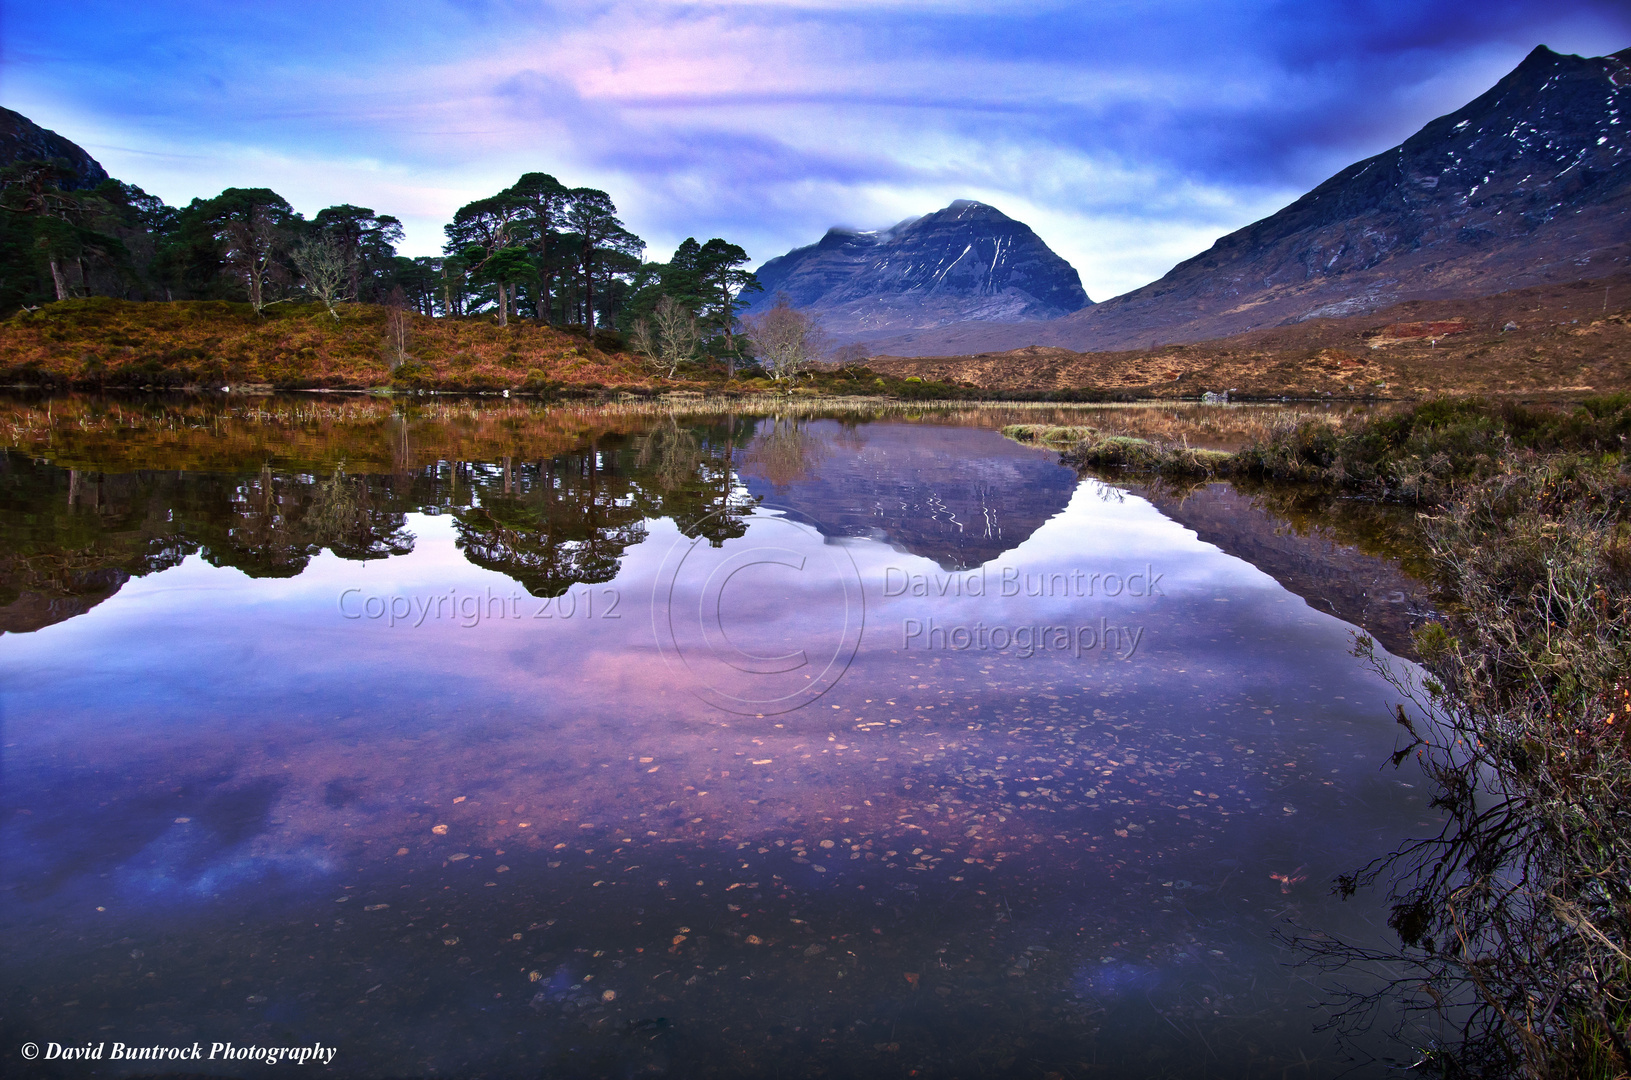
(1130, 136)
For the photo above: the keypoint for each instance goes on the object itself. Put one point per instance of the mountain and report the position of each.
(969, 261)
(21, 139)
(1526, 185)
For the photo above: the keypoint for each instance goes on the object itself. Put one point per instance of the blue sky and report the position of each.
(1129, 135)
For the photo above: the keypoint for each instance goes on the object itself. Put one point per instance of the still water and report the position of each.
(512, 742)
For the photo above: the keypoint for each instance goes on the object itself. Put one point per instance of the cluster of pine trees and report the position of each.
(537, 250)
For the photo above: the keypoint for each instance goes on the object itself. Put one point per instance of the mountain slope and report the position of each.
(21, 139)
(1527, 184)
(968, 261)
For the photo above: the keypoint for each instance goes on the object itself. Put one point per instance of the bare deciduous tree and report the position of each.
(325, 269)
(645, 340)
(855, 353)
(675, 328)
(786, 340)
(397, 322)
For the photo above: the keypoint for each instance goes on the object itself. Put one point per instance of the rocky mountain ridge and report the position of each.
(21, 139)
(1528, 184)
(966, 262)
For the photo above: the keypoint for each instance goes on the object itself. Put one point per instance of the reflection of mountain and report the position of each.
(959, 496)
(1317, 562)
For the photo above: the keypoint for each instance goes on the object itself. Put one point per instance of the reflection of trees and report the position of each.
(850, 437)
(275, 523)
(344, 516)
(555, 523)
(786, 451)
(669, 453)
(71, 538)
(695, 481)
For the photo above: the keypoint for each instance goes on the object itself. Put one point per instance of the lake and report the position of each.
(471, 739)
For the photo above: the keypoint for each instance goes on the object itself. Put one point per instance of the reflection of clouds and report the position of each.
(550, 786)
(171, 871)
(555, 716)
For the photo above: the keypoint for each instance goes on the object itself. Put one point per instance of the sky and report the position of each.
(1129, 135)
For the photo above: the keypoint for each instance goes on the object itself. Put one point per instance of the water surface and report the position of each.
(510, 744)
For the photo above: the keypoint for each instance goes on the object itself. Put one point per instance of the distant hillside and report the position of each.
(1528, 184)
(969, 261)
(21, 139)
(1570, 339)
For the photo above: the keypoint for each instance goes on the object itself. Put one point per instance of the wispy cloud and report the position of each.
(1128, 135)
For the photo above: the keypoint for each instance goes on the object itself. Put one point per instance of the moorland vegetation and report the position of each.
(1513, 922)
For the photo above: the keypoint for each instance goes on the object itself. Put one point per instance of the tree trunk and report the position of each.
(59, 279)
(503, 306)
(543, 273)
(589, 298)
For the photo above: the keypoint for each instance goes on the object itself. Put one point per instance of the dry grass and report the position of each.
(1514, 923)
(104, 342)
(1565, 343)
(377, 433)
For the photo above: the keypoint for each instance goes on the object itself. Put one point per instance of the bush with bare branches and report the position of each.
(324, 268)
(668, 337)
(786, 341)
(1514, 923)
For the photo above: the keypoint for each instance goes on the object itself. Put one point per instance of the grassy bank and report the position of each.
(106, 344)
(1514, 923)
(1419, 454)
